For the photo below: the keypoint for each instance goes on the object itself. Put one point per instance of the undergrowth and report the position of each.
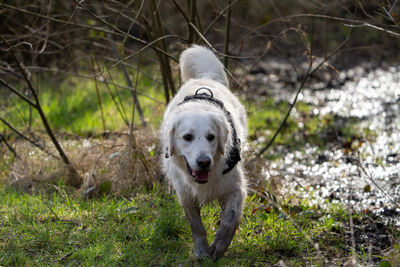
(54, 227)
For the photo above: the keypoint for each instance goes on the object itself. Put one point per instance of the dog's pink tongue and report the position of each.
(201, 176)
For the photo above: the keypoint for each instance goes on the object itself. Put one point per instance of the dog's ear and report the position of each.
(223, 132)
(170, 150)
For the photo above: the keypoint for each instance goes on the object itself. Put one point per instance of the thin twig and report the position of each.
(305, 79)
(227, 33)
(212, 48)
(130, 26)
(366, 24)
(218, 16)
(46, 36)
(157, 28)
(344, 20)
(12, 128)
(120, 110)
(98, 96)
(74, 175)
(192, 12)
(136, 85)
(3, 139)
(118, 30)
(17, 45)
(353, 241)
(114, 31)
(15, 91)
(369, 176)
(130, 85)
(182, 12)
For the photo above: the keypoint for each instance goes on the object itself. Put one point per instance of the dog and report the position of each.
(203, 130)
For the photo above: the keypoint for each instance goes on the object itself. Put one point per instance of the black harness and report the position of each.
(234, 151)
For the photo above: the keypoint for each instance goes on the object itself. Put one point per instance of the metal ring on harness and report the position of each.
(211, 95)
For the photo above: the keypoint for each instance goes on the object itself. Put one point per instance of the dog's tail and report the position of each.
(198, 62)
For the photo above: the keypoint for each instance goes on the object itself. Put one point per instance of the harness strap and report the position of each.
(234, 151)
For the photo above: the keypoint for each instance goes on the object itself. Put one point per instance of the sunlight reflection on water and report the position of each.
(374, 98)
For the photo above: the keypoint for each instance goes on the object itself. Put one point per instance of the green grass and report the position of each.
(62, 230)
(71, 105)
(265, 117)
(150, 229)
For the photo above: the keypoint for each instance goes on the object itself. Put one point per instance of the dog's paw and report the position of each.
(201, 249)
(200, 254)
(217, 249)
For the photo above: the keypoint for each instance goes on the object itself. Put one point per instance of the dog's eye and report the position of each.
(210, 137)
(188, 137)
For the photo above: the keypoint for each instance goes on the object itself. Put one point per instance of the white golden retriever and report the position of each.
(203, 128)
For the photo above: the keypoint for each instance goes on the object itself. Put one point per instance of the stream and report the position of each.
(365, 179)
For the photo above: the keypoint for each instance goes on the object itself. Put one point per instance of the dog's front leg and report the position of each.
(200, 244)
(231, 210)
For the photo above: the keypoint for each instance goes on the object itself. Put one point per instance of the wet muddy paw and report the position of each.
(200, 250)
(217, 250)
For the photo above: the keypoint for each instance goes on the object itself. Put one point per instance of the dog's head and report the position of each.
(198, 139)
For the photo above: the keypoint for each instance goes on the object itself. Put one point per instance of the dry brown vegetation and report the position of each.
(117, 164)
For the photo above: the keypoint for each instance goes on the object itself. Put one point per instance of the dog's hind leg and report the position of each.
(231, 210)
(199, 234)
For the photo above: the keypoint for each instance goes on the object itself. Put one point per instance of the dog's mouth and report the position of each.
(200, 177)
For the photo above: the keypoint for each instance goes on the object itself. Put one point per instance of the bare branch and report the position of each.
(12, 128)
(369, 176)
(65, 159)
(3, 139)
(114, 31)
(300, 88)
(150, 44)
(228, 7)
(15, 91)
(130, 85)
(98, 96)
(120, 31)
(366, 24)
(227, 34)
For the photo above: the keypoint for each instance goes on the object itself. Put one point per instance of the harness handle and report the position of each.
(211, 95)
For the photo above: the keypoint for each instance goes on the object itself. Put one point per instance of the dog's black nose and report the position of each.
(203, 162)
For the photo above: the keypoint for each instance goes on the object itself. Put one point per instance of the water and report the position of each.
(368, 178)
